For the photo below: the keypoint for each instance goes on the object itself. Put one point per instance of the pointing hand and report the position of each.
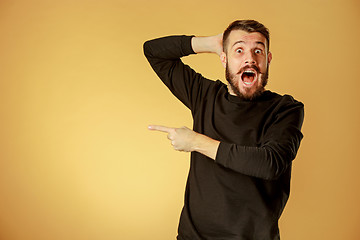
(182, 139)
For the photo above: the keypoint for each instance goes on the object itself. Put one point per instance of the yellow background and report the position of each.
(77, 94)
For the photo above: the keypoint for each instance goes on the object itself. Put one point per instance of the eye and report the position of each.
(258, 51)
(239, 50)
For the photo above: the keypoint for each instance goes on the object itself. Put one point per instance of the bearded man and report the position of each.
(244, 137)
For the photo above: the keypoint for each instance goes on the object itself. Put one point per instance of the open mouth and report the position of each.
(248, 77)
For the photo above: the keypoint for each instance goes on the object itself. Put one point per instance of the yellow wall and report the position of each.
(76, 96)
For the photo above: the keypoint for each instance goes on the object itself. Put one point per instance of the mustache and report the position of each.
(249, 67)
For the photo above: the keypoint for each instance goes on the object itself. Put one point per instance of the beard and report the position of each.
(231, 78)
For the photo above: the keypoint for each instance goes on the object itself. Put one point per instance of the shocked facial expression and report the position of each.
(246, 61)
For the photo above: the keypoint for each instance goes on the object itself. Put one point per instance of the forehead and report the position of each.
(242, 37)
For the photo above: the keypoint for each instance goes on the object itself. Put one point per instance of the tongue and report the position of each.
(248, 79)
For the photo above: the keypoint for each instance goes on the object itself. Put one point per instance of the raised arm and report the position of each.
(164, 55)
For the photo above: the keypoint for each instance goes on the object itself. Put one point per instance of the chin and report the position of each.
(250, 95)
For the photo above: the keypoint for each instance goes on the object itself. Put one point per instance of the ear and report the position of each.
(223, 59)
(269, 57)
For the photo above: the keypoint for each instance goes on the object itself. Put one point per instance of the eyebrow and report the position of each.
(258, 42)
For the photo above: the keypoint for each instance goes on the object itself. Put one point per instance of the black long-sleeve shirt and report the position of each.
(241, 194)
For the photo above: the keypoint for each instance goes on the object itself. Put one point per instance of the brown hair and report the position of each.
(247, 26)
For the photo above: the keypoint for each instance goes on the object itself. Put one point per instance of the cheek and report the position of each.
(234, 63)
(263, 64)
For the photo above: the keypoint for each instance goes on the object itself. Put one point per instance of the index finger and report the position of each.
(160, 128)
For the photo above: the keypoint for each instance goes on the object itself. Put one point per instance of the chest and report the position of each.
(245, 124)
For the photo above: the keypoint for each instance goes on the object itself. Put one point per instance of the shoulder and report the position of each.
(214, 86)
(291, 99)
(289, 102)
(285, 106)
(283, 100)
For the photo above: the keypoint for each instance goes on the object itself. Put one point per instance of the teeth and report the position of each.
(249, 71)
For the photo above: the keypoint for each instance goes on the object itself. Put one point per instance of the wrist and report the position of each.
(196, 142)
(205, 145)
(211, 44)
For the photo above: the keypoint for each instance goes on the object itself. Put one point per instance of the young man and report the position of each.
(244, 137)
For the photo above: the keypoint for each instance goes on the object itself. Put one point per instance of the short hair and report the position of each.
(247, 26)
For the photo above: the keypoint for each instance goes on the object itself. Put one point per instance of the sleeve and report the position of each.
(276, 152)
(164, 56)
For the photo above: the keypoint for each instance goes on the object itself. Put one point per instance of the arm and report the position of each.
(277, 149)
(268, 161)
(164, 55)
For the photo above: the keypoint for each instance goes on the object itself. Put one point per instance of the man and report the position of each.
(244, 137)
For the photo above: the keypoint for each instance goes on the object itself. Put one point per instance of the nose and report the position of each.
(249, 58)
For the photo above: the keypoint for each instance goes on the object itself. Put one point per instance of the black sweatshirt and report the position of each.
(241, 194)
